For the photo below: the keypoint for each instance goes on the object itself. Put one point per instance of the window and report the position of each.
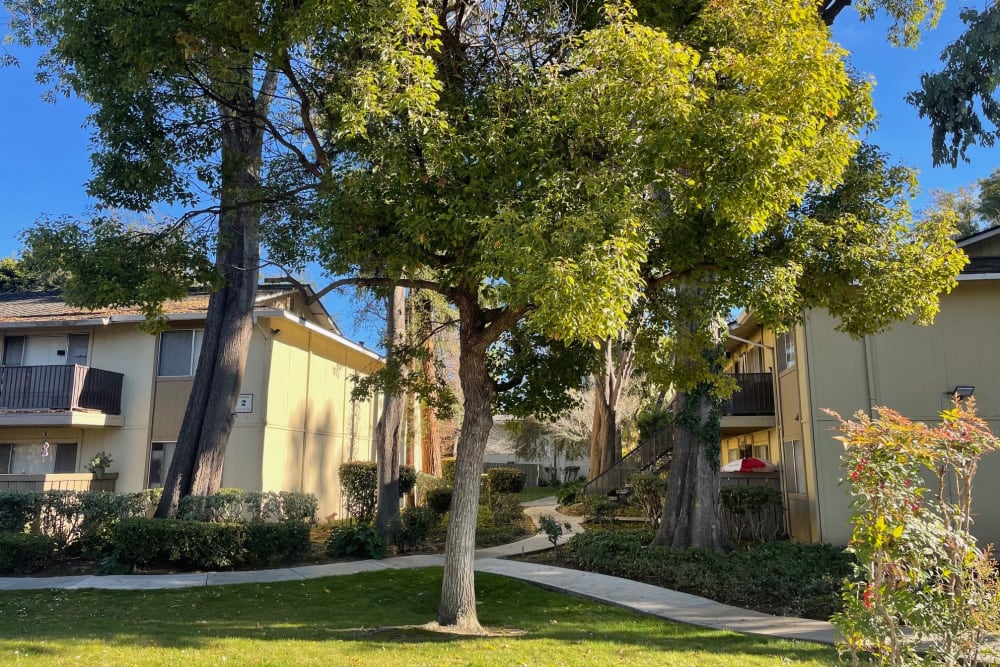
(160, 455)
(179, 352)
(795, 467)
(37, 458)
(785, 346)
(13, 350)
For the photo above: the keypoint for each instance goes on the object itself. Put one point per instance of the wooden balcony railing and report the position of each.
(755, 395)
(60, 388)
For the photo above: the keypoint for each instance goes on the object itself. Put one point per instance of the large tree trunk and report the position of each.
(610, 384)
(208, 420)
(389, 430)
(458, 593)
(691, 517)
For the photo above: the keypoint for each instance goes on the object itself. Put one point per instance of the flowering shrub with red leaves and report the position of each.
(920, 567)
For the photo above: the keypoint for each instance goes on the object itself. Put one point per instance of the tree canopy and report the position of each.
(961, 100)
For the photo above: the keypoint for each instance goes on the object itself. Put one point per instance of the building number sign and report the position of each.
(244, 403)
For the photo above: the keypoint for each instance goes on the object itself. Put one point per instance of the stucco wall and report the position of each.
(312, 424)
(909, 369)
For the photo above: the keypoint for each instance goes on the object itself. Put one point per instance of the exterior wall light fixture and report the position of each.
(962, 391)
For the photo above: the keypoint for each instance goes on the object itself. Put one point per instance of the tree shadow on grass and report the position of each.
(362, 614)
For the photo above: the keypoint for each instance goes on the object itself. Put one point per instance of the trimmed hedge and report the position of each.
(358, 541)
(239, 506)
(359, 481)
(21, 553)
(77, 518)
(504, 480)
(411, 528)
(17, 509)
(439, 499)
(199, 545)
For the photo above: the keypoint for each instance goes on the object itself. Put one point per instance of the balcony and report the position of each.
(751, 407)
(67, 395)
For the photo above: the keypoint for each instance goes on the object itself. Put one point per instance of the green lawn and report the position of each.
(354, 621)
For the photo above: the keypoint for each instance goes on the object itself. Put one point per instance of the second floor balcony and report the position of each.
(754, 395)
(60, 395)
(751, 407)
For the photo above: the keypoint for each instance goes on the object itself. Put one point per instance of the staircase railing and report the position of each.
(615, 478)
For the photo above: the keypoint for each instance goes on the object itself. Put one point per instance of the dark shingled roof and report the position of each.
(982, 265)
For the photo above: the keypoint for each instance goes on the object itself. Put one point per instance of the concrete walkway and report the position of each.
(643, 598)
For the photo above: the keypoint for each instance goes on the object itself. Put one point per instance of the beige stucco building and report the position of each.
(74, 383)
(910, 369)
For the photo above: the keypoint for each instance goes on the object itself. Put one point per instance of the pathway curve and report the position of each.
(643, 598)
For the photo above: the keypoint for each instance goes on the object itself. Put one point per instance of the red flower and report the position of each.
(906, 482)
(854, 476)
(867, 596)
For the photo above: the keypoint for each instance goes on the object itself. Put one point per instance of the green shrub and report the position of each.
(649, 492)
(355, 541)
(504, 480)
(17, 509)
(599, 509)
(21, 553)
(490, 532)
(784, 578)
(651, 421)
(567, 494)
(448, 471)
(424, 484)
(439, 499)
(411, 528)
(100, 511)
(226, 506)
(141, 542)
(407, 479)
(274, 543)
(359, 481)
(504, 507)
(750, 510)
(553, 529)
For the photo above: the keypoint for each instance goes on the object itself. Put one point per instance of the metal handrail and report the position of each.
(644, 456)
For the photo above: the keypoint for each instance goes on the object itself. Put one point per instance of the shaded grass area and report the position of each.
(355, 620)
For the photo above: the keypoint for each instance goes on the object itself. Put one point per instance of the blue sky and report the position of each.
(46, 157)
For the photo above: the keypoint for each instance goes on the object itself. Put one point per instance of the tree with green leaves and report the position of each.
(570, 149)
(961, 100)
(852, 250)
(19, 274)
(211, 100)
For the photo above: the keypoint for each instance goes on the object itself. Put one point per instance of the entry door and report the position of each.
(46, 351)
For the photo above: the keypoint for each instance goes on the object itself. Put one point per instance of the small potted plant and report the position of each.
(99, 463)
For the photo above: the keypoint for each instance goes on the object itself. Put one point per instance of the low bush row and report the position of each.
(197, 545)
(22, 553)
(784, 578)
(239, 506)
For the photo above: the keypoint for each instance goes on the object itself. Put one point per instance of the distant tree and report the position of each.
(964, 204)
(21, 274)
(989, 198)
